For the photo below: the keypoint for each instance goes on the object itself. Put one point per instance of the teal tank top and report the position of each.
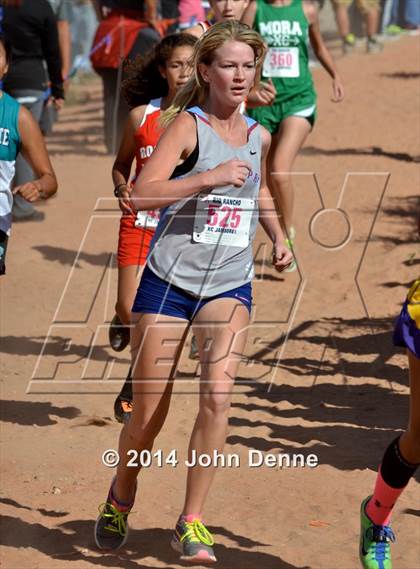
(285, 31)
(9, 148)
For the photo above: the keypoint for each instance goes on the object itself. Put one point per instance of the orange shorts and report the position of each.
(133, 242)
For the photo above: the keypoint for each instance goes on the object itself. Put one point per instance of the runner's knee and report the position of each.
(411, 445)
(215, 406)
(281, 176)
(123, 309)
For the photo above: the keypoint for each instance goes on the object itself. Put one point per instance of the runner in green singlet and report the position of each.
(286, 26)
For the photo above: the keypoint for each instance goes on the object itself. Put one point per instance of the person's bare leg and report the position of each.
(285, 146)
(128, 281)
(342, 19)
(409, 442)
(156, 342)
(372, 22)
(221, 330)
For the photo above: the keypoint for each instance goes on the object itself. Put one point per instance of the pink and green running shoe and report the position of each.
(194, 542)
(375, 549)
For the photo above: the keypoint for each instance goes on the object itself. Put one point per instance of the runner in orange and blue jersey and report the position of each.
(149, 89)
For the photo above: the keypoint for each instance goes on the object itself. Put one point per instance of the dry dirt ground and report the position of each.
(320, 376)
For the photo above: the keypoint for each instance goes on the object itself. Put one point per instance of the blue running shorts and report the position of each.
(156, 296)
(407, 326)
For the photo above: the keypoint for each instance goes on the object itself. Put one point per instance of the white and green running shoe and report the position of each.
(375, 549)
(393, 30)
(374, 45)
(349, 43)
(194, 542)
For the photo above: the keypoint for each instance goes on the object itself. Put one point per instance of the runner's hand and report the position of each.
(338, 90)
(156, 25)
(58, 103)
(29, 191)
(262, 95)
(233, 172)
(124, 201)
(282, 257)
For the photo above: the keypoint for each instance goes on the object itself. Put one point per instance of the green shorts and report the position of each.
(271, 117)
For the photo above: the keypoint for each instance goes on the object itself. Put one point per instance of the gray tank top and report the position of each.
(203, 243)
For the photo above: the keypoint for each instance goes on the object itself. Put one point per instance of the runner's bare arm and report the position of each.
(64, 40)
(267, 208)
(264, 93)
(248, 17)
(321, 51)
(196, 31)
(153, 188)
(122, 166)
(150, 8)
(35, 152)
(268, 216)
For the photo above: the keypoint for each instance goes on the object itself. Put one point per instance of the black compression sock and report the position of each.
(395, 470)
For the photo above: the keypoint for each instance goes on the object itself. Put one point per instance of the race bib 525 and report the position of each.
(223, 220)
